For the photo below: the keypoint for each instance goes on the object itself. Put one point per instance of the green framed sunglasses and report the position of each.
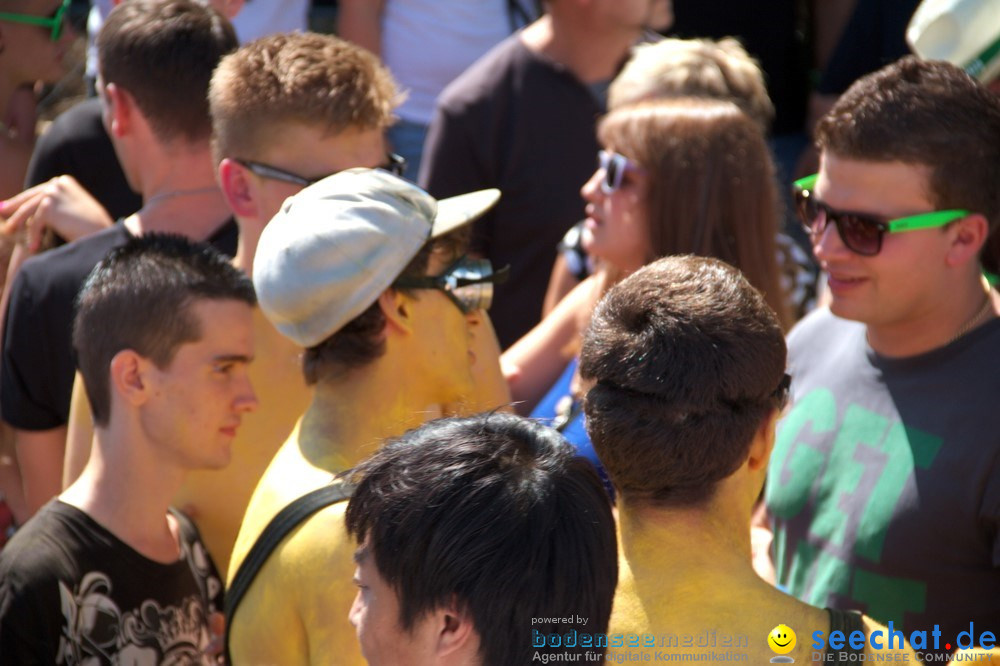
(860, 232)
(54, 23)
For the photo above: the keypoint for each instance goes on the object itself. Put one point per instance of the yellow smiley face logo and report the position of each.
(781, 640)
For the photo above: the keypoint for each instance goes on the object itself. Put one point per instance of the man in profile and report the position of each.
(107, 571)
(506, 495)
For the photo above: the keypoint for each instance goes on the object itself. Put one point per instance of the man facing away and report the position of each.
(516, 501)
(884, 485)
(107, 571)
(286, 110)
(156, 59)
(522, 119)
(685, 434)
(363, 271)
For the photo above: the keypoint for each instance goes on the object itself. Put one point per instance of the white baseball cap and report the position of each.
(336, 245)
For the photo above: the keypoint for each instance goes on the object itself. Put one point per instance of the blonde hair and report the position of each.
(694, 68)
(316, 80)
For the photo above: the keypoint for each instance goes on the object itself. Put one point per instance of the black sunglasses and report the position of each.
(860, 232)
(395, 164)
(468, 283)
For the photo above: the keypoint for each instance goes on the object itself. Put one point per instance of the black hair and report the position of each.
(496, 512)
(139, 298)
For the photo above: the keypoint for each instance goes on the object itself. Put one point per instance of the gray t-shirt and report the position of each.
(884, 484)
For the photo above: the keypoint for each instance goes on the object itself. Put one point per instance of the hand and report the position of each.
(60, 204)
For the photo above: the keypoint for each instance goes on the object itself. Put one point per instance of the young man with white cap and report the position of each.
(360, 269)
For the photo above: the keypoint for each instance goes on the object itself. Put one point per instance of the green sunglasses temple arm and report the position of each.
(27, 19)
(54, 23)
(807, 183)
(937, 218)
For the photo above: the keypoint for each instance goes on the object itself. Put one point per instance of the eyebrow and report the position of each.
(232, 358)
(361, 554)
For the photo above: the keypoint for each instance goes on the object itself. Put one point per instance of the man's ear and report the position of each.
(238, 189)
(966, 237)
(455, 631)
(130, 377)
(398, 310)
(763, 441)
(121, 107)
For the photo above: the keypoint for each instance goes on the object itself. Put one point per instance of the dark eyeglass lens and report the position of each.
(612, 173)
(858, 234)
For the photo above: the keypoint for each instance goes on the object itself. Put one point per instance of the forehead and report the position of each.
(313, 150)
(225, 327)
(885, 188)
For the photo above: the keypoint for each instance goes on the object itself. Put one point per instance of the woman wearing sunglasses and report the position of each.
(33, 42)
(674, 177)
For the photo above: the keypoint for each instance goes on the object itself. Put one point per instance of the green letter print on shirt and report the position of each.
(801, 475)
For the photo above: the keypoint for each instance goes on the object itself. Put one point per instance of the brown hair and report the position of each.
(296, 77)
(670, 427)
(931, 114)
(712, 188)
(163, 52)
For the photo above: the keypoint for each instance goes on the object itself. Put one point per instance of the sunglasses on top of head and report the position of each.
(861, 233)
(614, 165)
(53, 23)
(395, 164)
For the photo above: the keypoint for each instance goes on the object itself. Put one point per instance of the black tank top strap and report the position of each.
(845, 622)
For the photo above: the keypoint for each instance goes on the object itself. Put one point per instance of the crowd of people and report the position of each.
(477, 335)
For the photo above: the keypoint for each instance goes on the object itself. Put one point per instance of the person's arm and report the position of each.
(533, 363)
(561, 282)
(80, 436)
(27, 363)
(40, 458)
(360, 21)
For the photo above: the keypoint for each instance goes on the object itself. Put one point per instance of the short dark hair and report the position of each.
(163, 52)
(139, 297)
(927, 113)
(362, 340)
(687, 358)
(497, 512)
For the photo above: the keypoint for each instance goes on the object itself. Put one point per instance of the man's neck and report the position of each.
(129, 493)
(180, 193)
(591, 52)
(942, 321)
(700, 542)
(250, 231)
(349, 418)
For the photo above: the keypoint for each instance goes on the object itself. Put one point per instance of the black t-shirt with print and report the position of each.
(71, 592)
